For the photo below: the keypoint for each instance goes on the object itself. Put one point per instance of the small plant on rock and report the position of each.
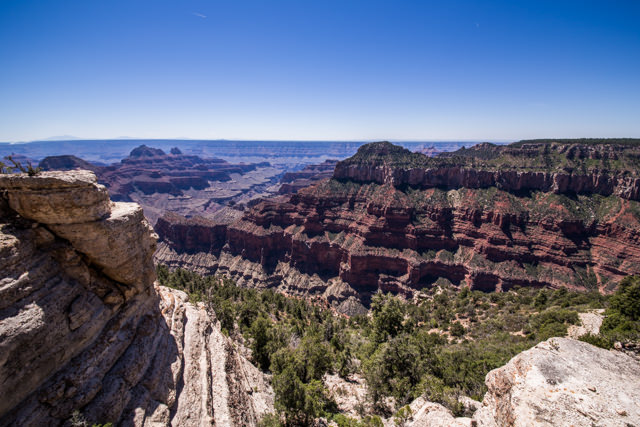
(403, 416)
(4, 168)
(30, 170)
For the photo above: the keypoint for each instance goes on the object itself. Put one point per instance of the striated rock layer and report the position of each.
(603, 169)
(291, 182)
(356, 234)
(82, 327)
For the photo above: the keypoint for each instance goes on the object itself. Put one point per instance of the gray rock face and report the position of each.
(122, 244)
(563, 382)
(82, 328)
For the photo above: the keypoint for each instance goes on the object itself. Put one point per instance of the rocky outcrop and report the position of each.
(67, 162)
(57, 198)
(559, 382)
(82, 327)
(563, 382)
(145, 151)
(590, 323)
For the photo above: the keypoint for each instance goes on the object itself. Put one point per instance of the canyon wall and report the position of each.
(461, 177)
(378, 226)
(84, 330)
(556, 168)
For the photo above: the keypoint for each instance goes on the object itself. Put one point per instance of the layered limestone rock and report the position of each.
(82, 327)
(57, 197)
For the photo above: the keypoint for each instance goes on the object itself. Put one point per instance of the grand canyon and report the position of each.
(90, 334)
(319, 214)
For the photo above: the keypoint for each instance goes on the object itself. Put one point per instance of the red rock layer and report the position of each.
(376, 227)
(291, 182)
(196, 234)
(378, 237)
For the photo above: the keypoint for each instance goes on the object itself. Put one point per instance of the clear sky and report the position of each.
(325, 69)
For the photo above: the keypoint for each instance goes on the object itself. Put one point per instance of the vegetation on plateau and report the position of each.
(440, 345)
(620, 156)
(632, 142)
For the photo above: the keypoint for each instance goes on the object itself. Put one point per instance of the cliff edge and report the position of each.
(84, 330)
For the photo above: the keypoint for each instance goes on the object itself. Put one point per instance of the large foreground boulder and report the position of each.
(559, 382)
(563, 382)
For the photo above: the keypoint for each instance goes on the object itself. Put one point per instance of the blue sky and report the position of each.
(336, 70)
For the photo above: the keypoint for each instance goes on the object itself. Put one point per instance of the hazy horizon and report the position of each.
(70, 138)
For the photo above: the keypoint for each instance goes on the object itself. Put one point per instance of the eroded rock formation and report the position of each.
(377, 225)
(177, 182)
(82, 327)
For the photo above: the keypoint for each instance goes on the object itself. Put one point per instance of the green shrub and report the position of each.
(597, 340)
(553, 322)
(387, 317)
(626, 300)
(270, 420)
(456, 329)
